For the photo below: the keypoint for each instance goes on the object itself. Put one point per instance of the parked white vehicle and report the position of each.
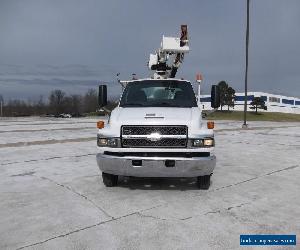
(157, 128)
(63, 115)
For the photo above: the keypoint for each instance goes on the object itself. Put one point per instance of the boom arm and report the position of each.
(171, 48)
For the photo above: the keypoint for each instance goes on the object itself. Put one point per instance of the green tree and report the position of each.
(223, 87)
(229, 97)
(258, 103)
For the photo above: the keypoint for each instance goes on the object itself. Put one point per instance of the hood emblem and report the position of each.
(154, 137)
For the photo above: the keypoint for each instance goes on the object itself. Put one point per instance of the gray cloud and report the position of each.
(46, 70)
(34, 88)
(74, 44)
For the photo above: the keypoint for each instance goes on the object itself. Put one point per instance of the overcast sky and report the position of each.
(74, 45)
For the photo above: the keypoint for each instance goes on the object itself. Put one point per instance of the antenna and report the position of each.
(119, 81)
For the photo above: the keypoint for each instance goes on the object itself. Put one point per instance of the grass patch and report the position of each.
(251, 116)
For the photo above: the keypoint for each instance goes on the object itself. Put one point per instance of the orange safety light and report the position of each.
(100, 124)
(199, 77)
(210, 125)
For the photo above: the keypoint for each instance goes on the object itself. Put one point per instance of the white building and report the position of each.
(274, 103)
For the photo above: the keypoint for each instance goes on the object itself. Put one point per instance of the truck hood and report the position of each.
(152, 116)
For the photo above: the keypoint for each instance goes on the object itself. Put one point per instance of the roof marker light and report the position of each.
(199, 78)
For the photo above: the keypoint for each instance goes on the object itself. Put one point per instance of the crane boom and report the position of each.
(171, 48)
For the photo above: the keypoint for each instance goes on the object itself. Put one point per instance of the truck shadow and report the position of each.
(140, 183)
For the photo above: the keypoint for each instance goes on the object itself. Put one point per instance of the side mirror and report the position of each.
(215, 96)
(102, 97)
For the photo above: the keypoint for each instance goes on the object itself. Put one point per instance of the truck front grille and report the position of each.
(154, 136)
(147, 130)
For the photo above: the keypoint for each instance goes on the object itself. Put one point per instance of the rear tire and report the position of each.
(203, 182)
(109, 180)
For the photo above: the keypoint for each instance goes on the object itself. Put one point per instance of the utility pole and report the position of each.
(246, 70)
(1, 108)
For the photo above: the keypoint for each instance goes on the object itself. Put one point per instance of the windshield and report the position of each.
(158, 93)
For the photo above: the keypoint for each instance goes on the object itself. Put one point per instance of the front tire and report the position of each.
(109, 180)
(203, 182)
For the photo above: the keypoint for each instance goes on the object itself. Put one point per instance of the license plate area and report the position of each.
(170, 163)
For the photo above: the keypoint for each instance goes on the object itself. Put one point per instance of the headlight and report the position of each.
(198, 143)
(206, 142)
(112, 142)
(107, 142)
(102, 142)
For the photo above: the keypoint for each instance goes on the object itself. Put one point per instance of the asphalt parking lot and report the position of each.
(52, 196)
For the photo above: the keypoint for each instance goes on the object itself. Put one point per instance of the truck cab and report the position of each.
(156, 131)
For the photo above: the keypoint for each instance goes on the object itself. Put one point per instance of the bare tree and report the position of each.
(40, 106)
(90, 101)
(18, 108)
(59, 103)
(76, 105)
(1, 105)
(56, 101)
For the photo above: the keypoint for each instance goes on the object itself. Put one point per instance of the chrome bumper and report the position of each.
(155, 166)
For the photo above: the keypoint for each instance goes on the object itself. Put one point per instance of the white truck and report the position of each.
(157, 128)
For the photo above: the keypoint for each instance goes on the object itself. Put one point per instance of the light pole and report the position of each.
(1, 108)
(246, 70)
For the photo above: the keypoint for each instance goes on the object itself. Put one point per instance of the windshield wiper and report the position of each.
(133, 104)
(167, 104)
(164, 104)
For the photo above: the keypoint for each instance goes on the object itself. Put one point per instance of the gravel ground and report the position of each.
(52, 196)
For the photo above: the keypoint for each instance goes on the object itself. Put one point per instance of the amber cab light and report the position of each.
(100, 124)
(199, 78)
(210, 125)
